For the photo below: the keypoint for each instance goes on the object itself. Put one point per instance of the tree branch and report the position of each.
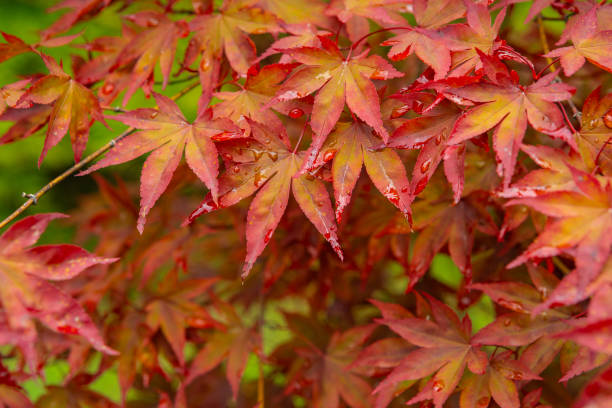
(33, 198)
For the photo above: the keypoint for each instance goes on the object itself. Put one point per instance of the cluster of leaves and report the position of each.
(295, 97)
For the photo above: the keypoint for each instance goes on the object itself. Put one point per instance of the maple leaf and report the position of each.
(508, 108)
(73, 107)
(428, 46)
(338, 79)
(233, 341)
(26, 293)
(581, 220)
(449, 224)
(14, 46)
(425, 41)
(598, 391)
(80, 10)
(588, 42)
(595, 132)
(331, 372)
(466, 40)
(300, 36)
(594, 331)
(226, 30)
(445, 349)
(351, 146)
(497, 382)
(430, 133)
(555, 173)
(172, 308)
(277, 166)
(355, 14)
(102, 67)
(153, 45)
(258, 90)
(167, 133)
(525, 323)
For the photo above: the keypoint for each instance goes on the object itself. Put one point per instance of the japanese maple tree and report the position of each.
(343, 203)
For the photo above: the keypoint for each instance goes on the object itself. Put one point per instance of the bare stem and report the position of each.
(33, 198)
(551, 62)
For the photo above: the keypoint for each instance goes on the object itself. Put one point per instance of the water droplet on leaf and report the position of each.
(425, 166)
(607, 118)
(296, 113)
(328, 155)
(438, 385)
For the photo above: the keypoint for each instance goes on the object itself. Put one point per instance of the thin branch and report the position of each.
(551, 62)
(33, 198)
(177, 81)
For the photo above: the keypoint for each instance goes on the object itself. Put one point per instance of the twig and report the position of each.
(33, 198)
(551, 63)
(177, 81)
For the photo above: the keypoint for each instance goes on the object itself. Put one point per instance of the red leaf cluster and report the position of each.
(476, 139)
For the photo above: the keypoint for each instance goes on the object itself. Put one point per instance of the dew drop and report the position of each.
(236, 169)
(438, 138)
(418, 107)
(507, 322)
(438, 385)
(425, 166)
(258, 179)
(296, 113)
(152, 22)
(397, 112)
(273, 156)
(227, 156)
(327, 235)
(108, 88)
(516, 375)
(380, 75)
(268, 236)
(607, 118)
(404, 189)
(328, 155)
(392, 195)
(257, 154)
(204, 64)
(154, 114)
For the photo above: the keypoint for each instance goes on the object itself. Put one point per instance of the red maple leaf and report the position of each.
(26, 292)
(167, 133)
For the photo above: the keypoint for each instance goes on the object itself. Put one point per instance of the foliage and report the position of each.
(478, 143)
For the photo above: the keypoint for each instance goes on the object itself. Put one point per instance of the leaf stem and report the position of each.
(297, 144)
(33, 198)
(544, 44)
(382, 30)
(562, 267)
